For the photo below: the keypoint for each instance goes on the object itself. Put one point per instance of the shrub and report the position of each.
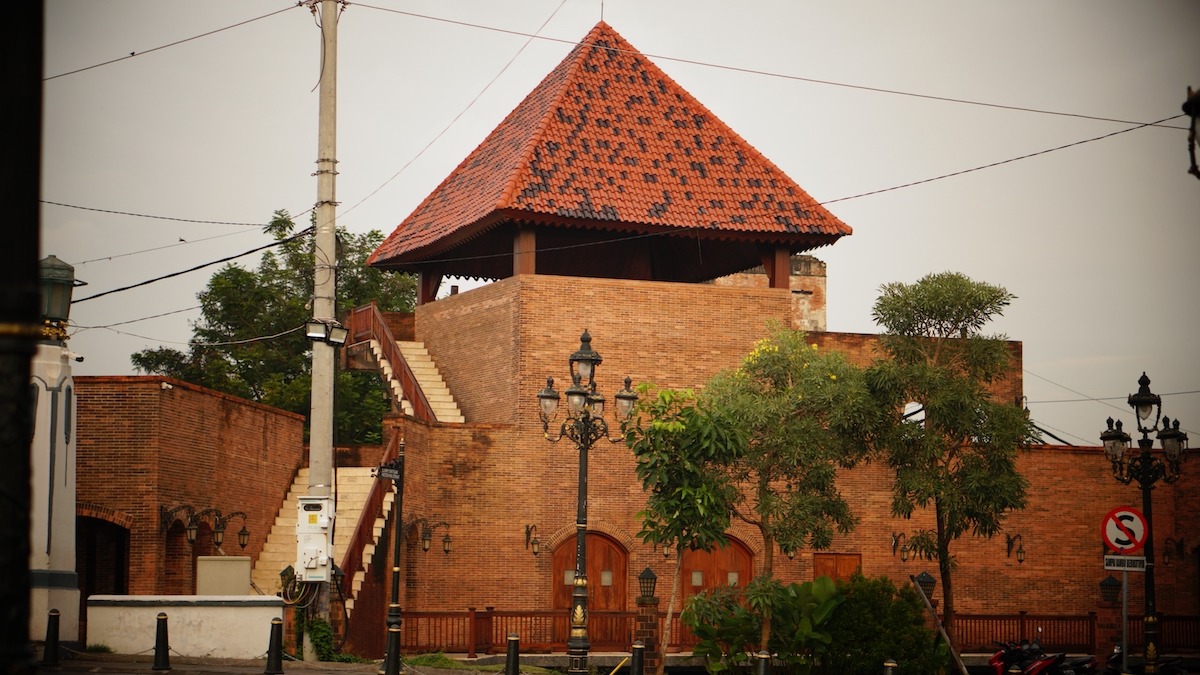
(877, 622)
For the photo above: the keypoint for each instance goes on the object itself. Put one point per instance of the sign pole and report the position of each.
(1125, 621)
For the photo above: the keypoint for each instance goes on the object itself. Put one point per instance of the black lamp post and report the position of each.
(1146, 469)
(57, 281)
(394, 471)
(584, 426)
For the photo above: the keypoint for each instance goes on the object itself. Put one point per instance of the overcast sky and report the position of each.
(1098, 240)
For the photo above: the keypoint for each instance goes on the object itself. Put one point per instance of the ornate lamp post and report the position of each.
(1146, 469)
(584, 426)
(394, 471)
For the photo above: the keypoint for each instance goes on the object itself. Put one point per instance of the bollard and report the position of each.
(637, 658)
(1015, 669)
(512, 658)
(763, 660)
(50, 653)
(275, 648)
(162, 647)
(889, 667)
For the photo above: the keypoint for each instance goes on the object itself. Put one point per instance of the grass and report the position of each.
(98, 649)
(440, 660)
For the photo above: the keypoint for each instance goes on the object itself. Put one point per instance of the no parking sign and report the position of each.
(1124, 530)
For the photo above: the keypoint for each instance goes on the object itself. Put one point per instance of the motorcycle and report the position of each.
(1171, 666)
(1029, 658)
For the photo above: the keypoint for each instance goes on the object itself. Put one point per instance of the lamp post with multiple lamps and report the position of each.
(1142, 466)
(584, 426)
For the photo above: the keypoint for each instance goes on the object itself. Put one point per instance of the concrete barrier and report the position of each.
(223, 626)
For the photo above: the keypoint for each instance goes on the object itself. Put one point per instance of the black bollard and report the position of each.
(512, 658)
(162, 646)
(50, 653)
(762, 663)
(275, 648)
(637, 658)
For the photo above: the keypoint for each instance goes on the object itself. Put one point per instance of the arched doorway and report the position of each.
(608, 591)
(101, 561)
(732, 565)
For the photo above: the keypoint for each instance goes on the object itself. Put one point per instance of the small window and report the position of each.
(606, 577)
(568, 577)
(914, 412)
(733, 578)
(697, 578)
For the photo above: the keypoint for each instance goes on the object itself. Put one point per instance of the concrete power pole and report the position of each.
(320, 458)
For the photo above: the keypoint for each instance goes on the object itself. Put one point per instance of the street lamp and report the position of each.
(584, 426)
(393, 470)
(1146, 469)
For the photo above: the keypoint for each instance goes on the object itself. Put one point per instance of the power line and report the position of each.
(144, 215)
(298, 235)
(80, 329)
(766, 73)
(172, 44)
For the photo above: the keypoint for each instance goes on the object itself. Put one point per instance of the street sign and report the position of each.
(390, 473)
(1124, 530)
(1125, 563)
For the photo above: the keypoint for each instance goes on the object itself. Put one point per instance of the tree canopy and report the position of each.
(960, 459)
(804, 414)
(249, 340)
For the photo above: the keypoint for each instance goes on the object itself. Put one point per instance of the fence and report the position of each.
(486, 631)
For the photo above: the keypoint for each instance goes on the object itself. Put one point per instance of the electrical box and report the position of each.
(314, 539)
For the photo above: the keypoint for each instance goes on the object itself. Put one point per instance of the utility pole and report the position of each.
(320, 453)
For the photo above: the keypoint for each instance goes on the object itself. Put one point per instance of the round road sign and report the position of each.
(1124, 530)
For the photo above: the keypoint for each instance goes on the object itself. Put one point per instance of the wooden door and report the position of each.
(703, 570)
(836, 566)
(608, 591)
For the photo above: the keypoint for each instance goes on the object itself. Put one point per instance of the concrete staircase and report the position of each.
(428, 378)
(279, 551)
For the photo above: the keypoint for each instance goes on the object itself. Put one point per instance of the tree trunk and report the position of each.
(944, 573)
(768, 566)
(666, 638)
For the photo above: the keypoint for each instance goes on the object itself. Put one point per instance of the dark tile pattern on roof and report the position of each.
(608, 137)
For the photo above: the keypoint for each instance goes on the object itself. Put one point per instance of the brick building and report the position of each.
(609, 200)
(152, 451)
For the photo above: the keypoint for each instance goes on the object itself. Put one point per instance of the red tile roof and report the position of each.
(608, 141)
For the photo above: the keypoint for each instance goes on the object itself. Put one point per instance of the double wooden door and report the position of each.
(608, 592)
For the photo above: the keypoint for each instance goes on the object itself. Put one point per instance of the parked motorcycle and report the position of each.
(1171, 666)
(1032, 660)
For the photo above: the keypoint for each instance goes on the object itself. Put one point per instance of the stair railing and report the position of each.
(352, 561)
(366, 323)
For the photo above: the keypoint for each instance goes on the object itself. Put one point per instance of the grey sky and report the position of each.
(1098, 240)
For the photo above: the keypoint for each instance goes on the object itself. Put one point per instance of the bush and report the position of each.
(875, 622)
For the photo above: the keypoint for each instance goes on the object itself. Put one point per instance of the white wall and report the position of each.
(225, 626)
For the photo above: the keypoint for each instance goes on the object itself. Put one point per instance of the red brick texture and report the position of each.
(151, 442)
(494, 475)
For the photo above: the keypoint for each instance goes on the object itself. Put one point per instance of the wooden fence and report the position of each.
(486, 631)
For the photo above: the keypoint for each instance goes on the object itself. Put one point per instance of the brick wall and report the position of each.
(495, 475)
(143, 445)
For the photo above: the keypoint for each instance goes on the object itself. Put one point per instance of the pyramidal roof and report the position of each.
(608, 143)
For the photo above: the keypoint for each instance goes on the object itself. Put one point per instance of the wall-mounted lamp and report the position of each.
(1110, 589)
(326, 330)
(789, 552)
(1018, 541)
(531, 539)
(899, 543)
(166, 518)
(925, 582)
(427, 529)
(1173, 548)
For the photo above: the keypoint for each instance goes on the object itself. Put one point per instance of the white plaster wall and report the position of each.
(224, 626)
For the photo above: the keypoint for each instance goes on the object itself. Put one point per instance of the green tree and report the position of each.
(679, 447)
(804, 414)
(249, 340)
(961, 458)
(878, 621)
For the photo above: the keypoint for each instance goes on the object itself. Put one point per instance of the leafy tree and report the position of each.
(804, 414)
(249, 340)
(679, 446)
(728, 622)
(878, 621)
(961, 459)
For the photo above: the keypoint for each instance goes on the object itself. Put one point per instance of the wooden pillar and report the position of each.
(777, 262)
(428, 281)
(524, 251)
